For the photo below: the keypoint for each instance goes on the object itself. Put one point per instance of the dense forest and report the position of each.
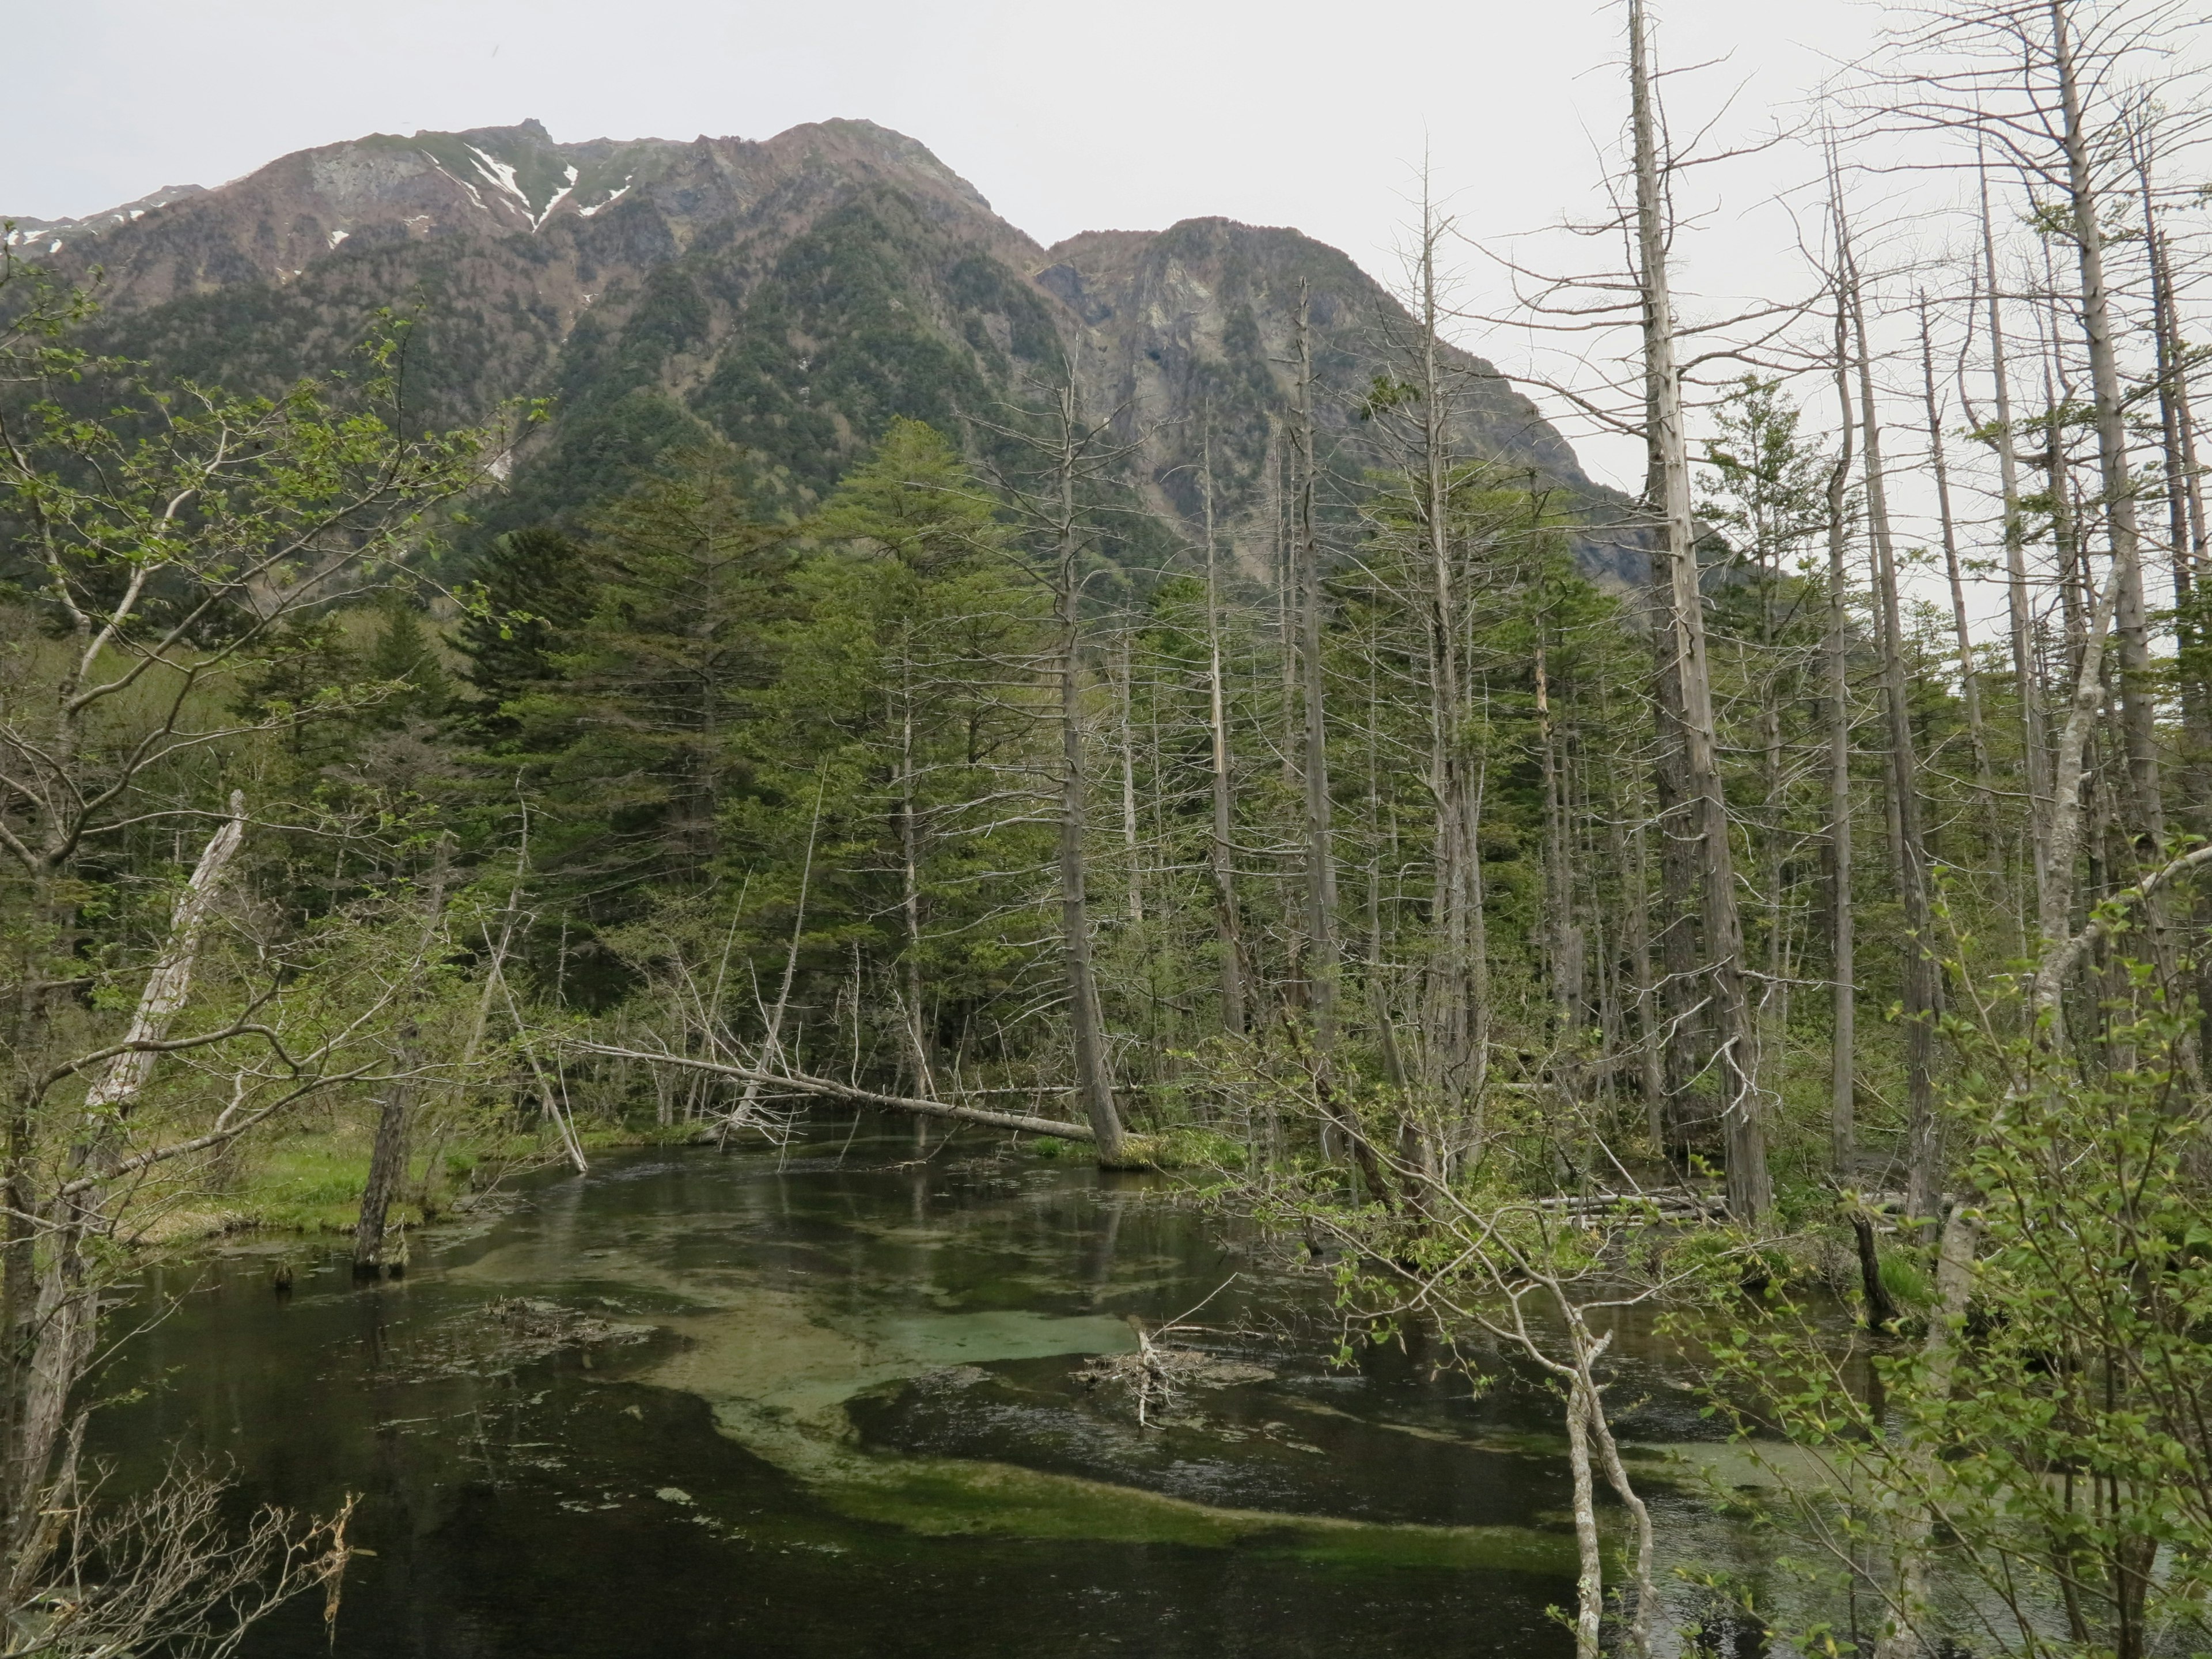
(1800, 939)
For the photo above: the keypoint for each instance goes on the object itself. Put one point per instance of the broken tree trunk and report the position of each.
(830, 1089)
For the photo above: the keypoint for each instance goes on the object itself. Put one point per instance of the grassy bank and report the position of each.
(309, 1180)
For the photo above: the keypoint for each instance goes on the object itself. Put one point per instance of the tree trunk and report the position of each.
(1970, 682)
(1458, 995)
(1650, 1027)
(1589, 1580)
(53, 1304)
(1842, 1076)
(1750, 1188)
(2131, 625)
(1227, 941)
(1124, 703)
(2026, 682)
(387, 1160)
(1924, 1151)
(916, 1024)
(1900, 1637)
(1323, 966)
(2186, 522)
(387, 1166)
(1093, 1090)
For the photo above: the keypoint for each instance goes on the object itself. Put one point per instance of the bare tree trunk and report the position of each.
(1589, 1581)
(2184, 513)
(1093, 1090)
(1924, 1153)
(2131, 625)
(388, 1163)
(1843, 1075)
(1227, 942)
(1458, 994)
(1970, 682)
(2026, 682)
(1286, 586)
(1650, 1025)
(2185, 520)
(50, 1348)
(2068, 774)
(1124, 703)
(1379, 1011)
(1639, 1514)
(912, 1018)
(1750, 1188)
(1322, 965)
(387, 1160)
(1900, 1637)
(1562, 939)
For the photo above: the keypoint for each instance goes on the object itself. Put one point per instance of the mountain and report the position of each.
(34, 238)
(792, 295)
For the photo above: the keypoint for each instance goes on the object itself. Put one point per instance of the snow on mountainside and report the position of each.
(35, 237)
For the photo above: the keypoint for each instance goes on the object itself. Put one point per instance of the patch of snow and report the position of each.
(501, 177)
(600, 207)
(139, 213)
(337, 236)
(54, 246)
(553, 201)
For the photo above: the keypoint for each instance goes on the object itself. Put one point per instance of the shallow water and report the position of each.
(836, 1406)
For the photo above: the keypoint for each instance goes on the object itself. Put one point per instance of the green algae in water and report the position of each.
(779, 1386)
(778, 1369)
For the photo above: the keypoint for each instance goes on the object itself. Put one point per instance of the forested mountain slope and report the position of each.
(793, 296)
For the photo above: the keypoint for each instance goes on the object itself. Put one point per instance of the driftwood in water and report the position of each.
(801, 1083)
(1663, 1204)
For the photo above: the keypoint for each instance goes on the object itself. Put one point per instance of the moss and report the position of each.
(939, 1498)
(1189, 1147)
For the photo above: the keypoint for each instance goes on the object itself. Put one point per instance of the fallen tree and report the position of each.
(829, 1088)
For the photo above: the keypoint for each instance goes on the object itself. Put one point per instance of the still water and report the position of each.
(833, 1399)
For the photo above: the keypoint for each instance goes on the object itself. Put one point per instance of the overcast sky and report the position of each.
(1068, 119)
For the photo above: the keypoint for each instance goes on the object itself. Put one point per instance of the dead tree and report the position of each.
(387, 1160)
(1221, 860)
(1843, 1085)
(1909, 853)
(1681, 645)
(1067, 457)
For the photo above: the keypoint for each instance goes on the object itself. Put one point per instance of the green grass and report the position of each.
(307, 1183)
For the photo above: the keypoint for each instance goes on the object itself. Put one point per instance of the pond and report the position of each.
(845, 1397)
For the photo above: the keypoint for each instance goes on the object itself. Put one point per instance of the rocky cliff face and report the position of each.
(793, 295)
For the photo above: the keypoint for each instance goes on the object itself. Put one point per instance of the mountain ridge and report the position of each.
(791, 294)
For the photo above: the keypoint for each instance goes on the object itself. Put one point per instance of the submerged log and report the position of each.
(829, 1088)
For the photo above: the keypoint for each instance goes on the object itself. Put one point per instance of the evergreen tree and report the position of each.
(634, 742)
(403, 654)
(536, 587)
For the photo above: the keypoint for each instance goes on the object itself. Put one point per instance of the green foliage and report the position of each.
(842, 335)
(2048, 1448)
(534, 587)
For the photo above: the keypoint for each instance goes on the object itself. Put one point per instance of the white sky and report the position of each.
(1068, 117)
